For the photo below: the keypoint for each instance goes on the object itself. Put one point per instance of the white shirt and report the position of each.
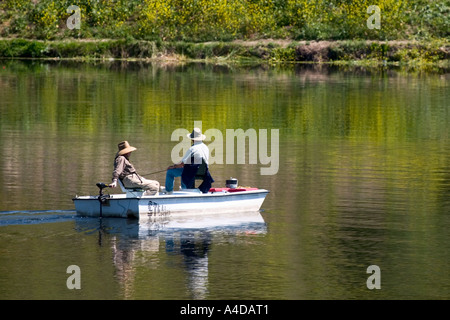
(199, 150)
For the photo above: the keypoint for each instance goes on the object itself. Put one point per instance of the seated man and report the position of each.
(191, 171)
(126, 172)
(188, 166)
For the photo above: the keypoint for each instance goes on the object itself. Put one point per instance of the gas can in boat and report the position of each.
(232, 183)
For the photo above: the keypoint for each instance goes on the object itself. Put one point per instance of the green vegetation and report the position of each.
(319, 31)
(225, 20)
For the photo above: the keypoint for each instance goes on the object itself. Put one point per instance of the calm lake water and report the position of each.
(363, 179)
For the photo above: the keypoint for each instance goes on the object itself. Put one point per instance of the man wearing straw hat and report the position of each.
(197, 153)
(125, 171)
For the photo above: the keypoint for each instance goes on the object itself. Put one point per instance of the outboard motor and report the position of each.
(102, 198)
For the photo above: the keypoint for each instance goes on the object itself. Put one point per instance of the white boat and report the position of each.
(133, 204)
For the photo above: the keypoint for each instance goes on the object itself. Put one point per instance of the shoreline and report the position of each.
(410, 54)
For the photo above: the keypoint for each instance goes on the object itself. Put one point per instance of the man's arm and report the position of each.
(119, 164)
(176, 166)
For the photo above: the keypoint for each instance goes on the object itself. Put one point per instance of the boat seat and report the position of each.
(130, 191)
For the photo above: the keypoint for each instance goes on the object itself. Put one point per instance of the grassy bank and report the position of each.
(407, 53)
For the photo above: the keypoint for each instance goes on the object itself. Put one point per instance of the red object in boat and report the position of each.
(231, 190)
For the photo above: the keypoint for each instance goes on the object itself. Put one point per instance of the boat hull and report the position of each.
(177, 204)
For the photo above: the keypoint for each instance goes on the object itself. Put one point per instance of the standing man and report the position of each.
(195, 155)
(125, 171)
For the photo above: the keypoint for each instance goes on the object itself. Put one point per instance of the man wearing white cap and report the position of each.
(195, 154)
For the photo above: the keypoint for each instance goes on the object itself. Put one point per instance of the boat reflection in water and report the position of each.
(140, 243)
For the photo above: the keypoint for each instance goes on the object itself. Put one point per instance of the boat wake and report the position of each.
(8, 218)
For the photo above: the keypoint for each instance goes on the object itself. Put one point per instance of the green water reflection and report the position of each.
(364, 175)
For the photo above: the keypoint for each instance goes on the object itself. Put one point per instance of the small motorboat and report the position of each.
(134, 204)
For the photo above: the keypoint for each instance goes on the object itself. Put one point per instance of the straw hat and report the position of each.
(196, 135)
(124, 148)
